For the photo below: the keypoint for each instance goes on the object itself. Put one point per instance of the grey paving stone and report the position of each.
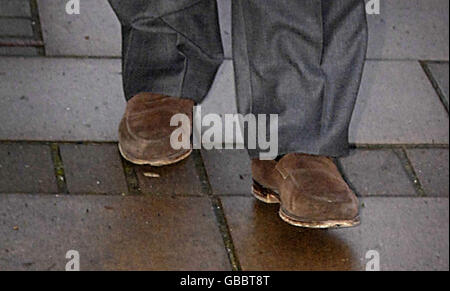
(229, 171)
(26, 168)
(182, 178)
(440, 72)
(15, 8)
(408, 234)
(376, 172)
(431, 166)
(414, 29)
(18, 51)
(94, 32)
(85, 93)
(60, 99)
(93, 169)
(398, 105)
(15, 27)
(110, 233)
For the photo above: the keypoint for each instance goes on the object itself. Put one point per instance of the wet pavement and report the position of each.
(64, 186)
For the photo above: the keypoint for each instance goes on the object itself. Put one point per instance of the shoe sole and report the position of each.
(271, 197)
(153, 163)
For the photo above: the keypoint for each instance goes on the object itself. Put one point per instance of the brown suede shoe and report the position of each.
(310, 189)
(144, 132)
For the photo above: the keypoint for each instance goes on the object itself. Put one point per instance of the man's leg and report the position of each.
(302, 60)
(171, 52)
(170, 47)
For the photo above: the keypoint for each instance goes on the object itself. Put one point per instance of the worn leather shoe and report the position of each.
(310, 190)
(144, 132)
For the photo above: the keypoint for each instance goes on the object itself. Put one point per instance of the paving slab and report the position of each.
(407, 233)
(26, 168)
(15, 27)
(440, 74)
(414, 29)
(398, 105)
(15, 8)
(229, 171)
(377, 173)
(110, 233)
(93, 169)
(60, 99)
(431, 167)
(86, 93)
(182, 178)
(93, 32)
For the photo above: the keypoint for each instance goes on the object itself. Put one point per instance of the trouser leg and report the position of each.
(302, 60)
(171, 47)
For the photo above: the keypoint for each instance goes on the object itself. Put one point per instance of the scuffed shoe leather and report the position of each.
(144, 132)
(310, 189)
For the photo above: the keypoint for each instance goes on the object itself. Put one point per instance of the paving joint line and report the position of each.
(434, 83)
(131, 178)
(410, 171)
(17, 36)
(201, 196)
(359, 196)
(65, 56)
(58, 167)
(57, 141)
(406, 166)
(352, 146)
(133, 182)
(406, 60)
(219, 213)
(20, 42)
(37, 28)
(16, 17)
(109, 194)
(114, 57)
(397, 146)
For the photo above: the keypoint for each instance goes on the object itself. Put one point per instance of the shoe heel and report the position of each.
(264, 194)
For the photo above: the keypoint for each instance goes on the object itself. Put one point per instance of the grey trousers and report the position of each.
(300, 59)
